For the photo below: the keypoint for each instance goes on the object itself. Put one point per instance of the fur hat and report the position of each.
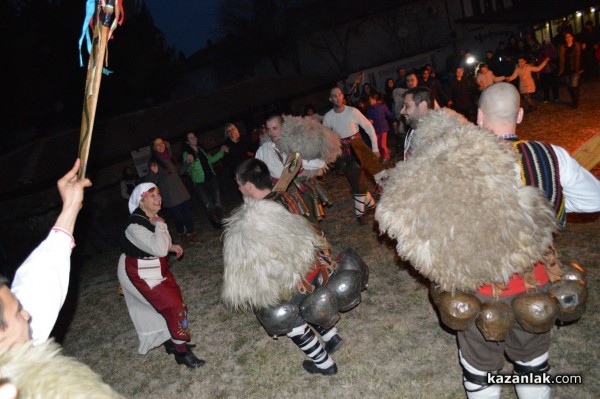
(266, 251)
(43, 372)
(459, 210)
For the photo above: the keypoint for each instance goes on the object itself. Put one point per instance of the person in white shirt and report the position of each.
(275, 159)
(345, 121)
(45, 270)
(29, 309)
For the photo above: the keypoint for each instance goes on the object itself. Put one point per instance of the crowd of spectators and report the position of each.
(567, 60)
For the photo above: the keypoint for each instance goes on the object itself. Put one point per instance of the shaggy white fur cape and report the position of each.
(266, 251)
(310, 138)
(43, 372)
(459, 210)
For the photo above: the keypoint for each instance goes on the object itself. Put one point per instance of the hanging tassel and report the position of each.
(90, 24)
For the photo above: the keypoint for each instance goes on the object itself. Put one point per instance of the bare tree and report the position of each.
(259, 29)
(335, 42)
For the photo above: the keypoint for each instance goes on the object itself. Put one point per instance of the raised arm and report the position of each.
(42, 281)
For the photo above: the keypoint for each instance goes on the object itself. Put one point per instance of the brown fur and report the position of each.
(266, 251)
(43, 372)
(458, 209)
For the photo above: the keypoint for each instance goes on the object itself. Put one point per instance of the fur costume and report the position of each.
(43, 372)
(266, 251)
(459, 210)
(310, 138)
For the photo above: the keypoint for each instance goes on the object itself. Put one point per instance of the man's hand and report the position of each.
(154, 167)
(71, 192)
(377, 154)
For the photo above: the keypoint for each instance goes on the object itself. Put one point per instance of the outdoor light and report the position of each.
(592, 9)
(470, 60)
(579, 13)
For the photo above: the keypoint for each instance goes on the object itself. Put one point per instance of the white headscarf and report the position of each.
(136, 195)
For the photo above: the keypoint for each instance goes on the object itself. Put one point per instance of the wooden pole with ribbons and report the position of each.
(105, 11)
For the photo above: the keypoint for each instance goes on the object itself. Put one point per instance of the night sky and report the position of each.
(187, 24)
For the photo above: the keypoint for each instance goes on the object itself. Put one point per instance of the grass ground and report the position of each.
(394, 346)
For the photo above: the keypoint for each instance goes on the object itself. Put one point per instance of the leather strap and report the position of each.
(553, 265)
(304, 287)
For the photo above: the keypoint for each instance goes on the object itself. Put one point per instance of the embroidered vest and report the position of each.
(539, 168)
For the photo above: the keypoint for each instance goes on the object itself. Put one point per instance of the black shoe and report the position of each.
(189, 359)
(312, 368)
(170, 347)
(334, 344)
(362, 220)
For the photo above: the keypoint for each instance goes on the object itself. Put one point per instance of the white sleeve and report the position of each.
(268, 155)
(42, 281)
(327, 121)
(580, 188)
(156, 244)
(313, 164)
(260, 154)
(368, 126)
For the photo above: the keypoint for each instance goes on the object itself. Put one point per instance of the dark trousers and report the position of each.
(353, 172)
(208, 194)
(549, 81)
(184, 223)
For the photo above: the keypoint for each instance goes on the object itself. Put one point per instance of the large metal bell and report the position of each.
(574, 272)
(459, 310)
(346, 286)
(320, 308)
(572, 297)
(535, 312)
(279, 319)
(348, 259)
(495, 320)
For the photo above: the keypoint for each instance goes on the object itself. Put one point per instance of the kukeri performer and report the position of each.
(345, 121)
(486, 243)
(318, 146)
(274, 258)
(151, 293)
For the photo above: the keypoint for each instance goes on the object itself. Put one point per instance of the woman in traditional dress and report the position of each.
(152, 295)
